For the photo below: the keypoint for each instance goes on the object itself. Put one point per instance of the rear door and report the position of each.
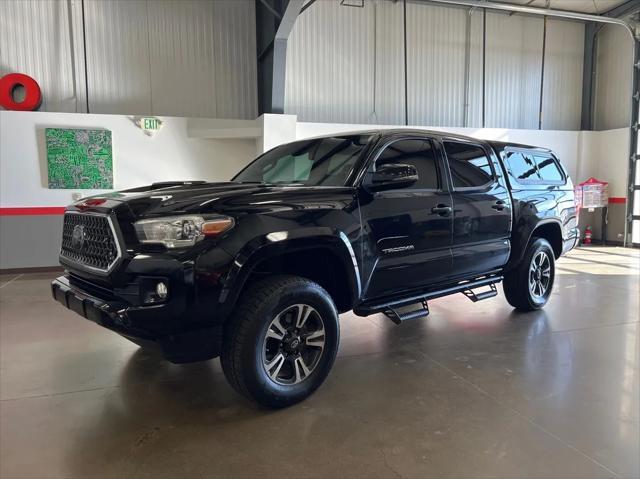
(409, 228)
(481, 209)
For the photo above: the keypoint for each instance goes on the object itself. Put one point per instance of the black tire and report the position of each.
(246, 346)
(517, 283)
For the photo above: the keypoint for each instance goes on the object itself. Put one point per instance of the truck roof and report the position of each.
(505, 144)
(390, 132)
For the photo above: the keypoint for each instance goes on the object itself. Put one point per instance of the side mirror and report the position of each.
(392, 176)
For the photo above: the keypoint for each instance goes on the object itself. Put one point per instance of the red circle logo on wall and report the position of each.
(32, 93)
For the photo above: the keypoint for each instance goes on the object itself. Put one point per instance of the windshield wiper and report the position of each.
(284, 183)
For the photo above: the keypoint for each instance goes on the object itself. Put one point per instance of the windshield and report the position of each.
(323, 161)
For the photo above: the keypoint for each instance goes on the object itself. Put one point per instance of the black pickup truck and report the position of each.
(256, 270)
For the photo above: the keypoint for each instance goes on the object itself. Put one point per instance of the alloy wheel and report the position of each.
(539, 275)
(293, 344)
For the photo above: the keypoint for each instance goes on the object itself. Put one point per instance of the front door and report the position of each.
(408, 229)
(481, 209)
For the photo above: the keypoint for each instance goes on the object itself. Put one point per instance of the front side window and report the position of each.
(522, 166)
(418, 153)
(548, 169)
(469, 165)
(319, 162)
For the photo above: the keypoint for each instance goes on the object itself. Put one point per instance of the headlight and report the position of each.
(180, 231)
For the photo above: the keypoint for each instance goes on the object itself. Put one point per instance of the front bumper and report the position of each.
(178, 346)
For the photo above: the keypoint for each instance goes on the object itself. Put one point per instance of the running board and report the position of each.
(390, 308)
(475, 297)
(398, 316)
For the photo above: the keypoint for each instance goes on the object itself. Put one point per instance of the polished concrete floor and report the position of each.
(475, 390)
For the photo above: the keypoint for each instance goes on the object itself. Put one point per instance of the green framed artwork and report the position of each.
(79, 159)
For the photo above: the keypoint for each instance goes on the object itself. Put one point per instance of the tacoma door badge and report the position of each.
(398, 249)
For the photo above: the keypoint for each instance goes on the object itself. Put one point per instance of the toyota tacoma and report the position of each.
(256, 270)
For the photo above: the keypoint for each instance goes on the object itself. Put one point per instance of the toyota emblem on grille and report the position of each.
(77, 238)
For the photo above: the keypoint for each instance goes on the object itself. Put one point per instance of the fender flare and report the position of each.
(518, 249)
(279, 243)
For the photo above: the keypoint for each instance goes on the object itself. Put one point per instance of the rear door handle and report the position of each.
(442, 210)
(499, 205)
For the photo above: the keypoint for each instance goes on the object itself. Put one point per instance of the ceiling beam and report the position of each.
(280, 54)
(274, 23)
(624, 9)
(549, 12)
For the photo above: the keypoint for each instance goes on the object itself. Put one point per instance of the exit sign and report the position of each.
(148, 124)
(151, 124)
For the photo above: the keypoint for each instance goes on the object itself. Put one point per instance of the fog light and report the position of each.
(161, 290)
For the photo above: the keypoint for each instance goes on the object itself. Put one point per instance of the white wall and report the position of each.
(188, 149)
(172, 154)
(605, 155)
(137, 159)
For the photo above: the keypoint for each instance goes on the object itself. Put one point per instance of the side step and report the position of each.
(395, 309)
(397, 315)
(475, 297)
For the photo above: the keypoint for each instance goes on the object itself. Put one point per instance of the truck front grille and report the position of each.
(89, 242)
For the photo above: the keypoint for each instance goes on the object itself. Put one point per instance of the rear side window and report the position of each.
(522, 166)
(532, 167)
(548, 169)
(418, 153)
(469, 165)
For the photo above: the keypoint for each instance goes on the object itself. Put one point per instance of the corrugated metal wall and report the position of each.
(613, 78)
(346, 64)
(562, 97)
(513, 71)
(329, 38)
(118, 57)
(474, 98)
(184, 58)
(436, 40)
(35, 39)
(388, 75)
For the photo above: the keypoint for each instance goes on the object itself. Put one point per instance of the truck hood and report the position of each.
(165, 199)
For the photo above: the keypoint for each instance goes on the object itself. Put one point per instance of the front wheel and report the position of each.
(528, 287)
(281, 342)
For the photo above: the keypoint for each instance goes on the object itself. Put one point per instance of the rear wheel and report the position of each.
(281, 342)
(528, 287)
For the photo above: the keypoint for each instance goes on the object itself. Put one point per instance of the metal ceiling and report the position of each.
(596, 7)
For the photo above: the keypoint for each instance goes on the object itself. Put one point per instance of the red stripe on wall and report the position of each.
(617, 200)
(33, 211)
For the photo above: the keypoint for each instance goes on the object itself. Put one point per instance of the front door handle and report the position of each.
(442, 210)
(499, 205)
